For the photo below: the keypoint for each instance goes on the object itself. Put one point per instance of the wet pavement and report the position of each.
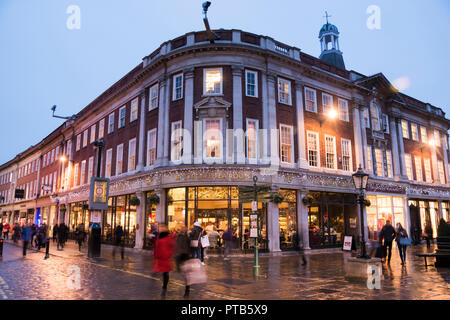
(281, 277)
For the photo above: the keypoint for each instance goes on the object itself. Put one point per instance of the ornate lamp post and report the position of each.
(360, 179)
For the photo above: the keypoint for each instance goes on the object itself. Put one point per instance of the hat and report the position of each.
(198, 224)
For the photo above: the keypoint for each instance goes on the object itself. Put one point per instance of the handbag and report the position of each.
(194, 243)
(205, 241)
(194, 272)
(405, 241)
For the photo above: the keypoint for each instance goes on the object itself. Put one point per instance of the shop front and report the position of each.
(120, 212)
(423, 212)
(30, 216)
(78, 214)
(331, 217)
(150, 219)
(288, 220)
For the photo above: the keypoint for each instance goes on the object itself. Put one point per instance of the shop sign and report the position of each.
(347, 243)
(353, 223)
(254, 205)
(96, 217)
(98, 194)
(253, 225)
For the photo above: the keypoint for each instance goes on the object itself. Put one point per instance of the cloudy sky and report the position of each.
(43, 63)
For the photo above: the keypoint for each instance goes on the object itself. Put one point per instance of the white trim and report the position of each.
(252, 160)
(213, 159)
(111, 122)
(291, 129)
(172, 132)
(154, 87)
(93, 129)
(290, 91)
(134, 104)
(149, 132)
(316, 134)
(108, 162)
(174, 88)
(205, 70)
(129, 154)
(335, 153)
(347, 113)
(327, 106)
(256, 83)
(124, 117)
(315, 99)
(119, 147)
(350, 154)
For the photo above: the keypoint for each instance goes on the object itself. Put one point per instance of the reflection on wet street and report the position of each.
(282, 277)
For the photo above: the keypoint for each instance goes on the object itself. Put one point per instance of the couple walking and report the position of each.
(389, 234)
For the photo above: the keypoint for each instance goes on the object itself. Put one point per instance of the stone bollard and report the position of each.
(47, 249)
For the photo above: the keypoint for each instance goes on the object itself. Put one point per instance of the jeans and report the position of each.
(25, 245)
(402, 251)
(385, 246)
(196, 251)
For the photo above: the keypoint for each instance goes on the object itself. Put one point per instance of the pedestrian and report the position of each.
(387, 233)
(428, 234)
(401, 237)
(195, 236)
(204, 244)
(80, 234)
(163, 255)
(118, 241)
(1, 229)
(16, 232)
(33, 234)
(26, 237)
(42, 236)
(55, 232)
(6, 228)
(183, 253)
(227, 237)
(61, 234)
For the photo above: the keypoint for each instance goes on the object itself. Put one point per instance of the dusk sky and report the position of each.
(43, 63)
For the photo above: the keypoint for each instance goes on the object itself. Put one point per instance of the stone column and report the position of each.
(166, 124)
(161, 110)
(272, 113)
(446, 165)
(395, 148)
(273, 227)
(161, 207)
(141, 159)
(358, 144)
(265, 133)
(140, 221)
(401, 150)
(434, 165)
(188, 115)
(301, 142)
(239, 152)
(302, 220)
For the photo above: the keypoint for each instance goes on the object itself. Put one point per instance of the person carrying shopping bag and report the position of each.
(401, 237)
(195, 236)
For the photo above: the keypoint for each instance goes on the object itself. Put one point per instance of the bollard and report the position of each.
(1, 248)
(47, 248)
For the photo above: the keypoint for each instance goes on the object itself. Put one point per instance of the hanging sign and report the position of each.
(96, 217)
(347, 243)
(254, 206)
(98, 194)
(253, 225)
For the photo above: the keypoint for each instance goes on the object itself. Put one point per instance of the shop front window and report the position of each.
(288, 220)
(382, 209)
(120, 212)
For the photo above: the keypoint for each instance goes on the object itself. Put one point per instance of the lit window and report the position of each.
(366, 118)
(418, 164)
(122, 112)
(83, 172)
(427, 167)
(153, 97)
(423, 134)
(414, 132)
(151, 147)
(252, 140)
(93, 133)
(287, 141)
(213, 135)
(327, 103)
(310, 100)
(134, 110)
(441, 172)
(85, 138)
(108, 163)
(52, 160)
(119, 160)
(177, 87)
(132, 155)
(177, 142)
(343, 110)
(408, 164)
(78, 146)
(437, 138)
(375, 113)
(111, 123)
(313, 149)
(369, 159)
(379, 162)
(330, 152)
(284, 91)
(405, 131)
(213, 81)
(346, 155)
(101, 128)
(251, 81)
(90, 169)
(389, 163)
(75, 174)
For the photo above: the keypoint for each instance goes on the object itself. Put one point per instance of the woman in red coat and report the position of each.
(163, 255)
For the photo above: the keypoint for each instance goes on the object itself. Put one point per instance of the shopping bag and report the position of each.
(380, 252)
(194, 243)
(405, 241)
(205, 242)
(194, 272)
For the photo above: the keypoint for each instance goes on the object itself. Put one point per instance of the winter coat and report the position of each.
(428, 231)
(6, 228)
(401, 233)
(26, 233)
(388, 233)
(163, 253)
(195, 233)
(227, 235)
(183, 249)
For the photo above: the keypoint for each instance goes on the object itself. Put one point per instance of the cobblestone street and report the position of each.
(282, 277)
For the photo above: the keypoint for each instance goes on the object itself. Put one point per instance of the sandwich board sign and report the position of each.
(347, 243)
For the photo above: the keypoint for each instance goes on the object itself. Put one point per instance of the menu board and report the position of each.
(253, 225)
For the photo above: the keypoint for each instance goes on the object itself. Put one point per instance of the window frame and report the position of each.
(327, 95)
(172, 141)
(119, 156)
(205, 70)
(134, 104)
(92, 135)
(279, 80)
(108, 163)
(306, 100)
(174, 87)
(111, 122)
(316, 134)
(129, 169)
(252, 160)
(423, 133)
(347, 114)
(122, 118)
(427, 170)
(205, 155)
(334, 150)
(255, 73)
(82, 173)
(149, 133)
(101, 128)
(414, 138)
(85, 138)
(350, 154)
(417, 165)
(403, 124)
(409, 174)
(150, 105)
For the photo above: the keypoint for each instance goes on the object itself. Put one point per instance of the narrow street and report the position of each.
(282, 277)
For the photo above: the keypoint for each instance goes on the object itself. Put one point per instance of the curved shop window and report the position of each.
(120, 212)
(288, 220)
(216, 208)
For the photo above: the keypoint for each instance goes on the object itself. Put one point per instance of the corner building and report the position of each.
(196, 120)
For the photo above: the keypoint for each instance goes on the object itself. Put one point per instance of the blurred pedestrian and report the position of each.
(6, 228)
(428, 234)
(80, 234)
(16, 232)
(401, 237)
(42, 236)
(195, 236)
(1, 229)
(183, 253)
(118, 241)
(227, 237)
(204, 244)
(33, 234)
(387, 233)
(26, 237)
(55, 232)
(163, 255)
(61, 236)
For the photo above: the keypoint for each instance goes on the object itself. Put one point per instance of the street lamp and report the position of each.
(360, 179)
(332, 114)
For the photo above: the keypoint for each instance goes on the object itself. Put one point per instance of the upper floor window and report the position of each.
(122, 112)
(78, 145)
(177, 141)
(427, 167)
(108, 163)
(423, 134)
(101, 128)
(386, 123)
(376, 119)
(111, 123)
(75, 174)
(251, 83)
(213, 138)
(287, 143)
(93, 133)
(414, 132)
(346, 155)
(284, 91)
(132, 155)
(437, 138)
(327, 103)
(213, 81)
(119, 159)
(405, 131)
(85, 138)
(369, 158)
(343, 110)
(330, 152)
(153, 97)
(310, 100)
(83, 172)
(313, 149)
(53, 160)
(134, 110)
(177, 87)
(408, 166)
(252, 140)
(379, 162)
(151, 147)
(366, 118)
(90, 169)
(389, 163)
(418, 164)
(441, 172)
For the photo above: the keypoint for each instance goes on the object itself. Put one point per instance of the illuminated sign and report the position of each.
(98, 194)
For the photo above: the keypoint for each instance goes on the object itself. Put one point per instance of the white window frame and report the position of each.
(314, 92)
(280, 81)
(390, 173)
(93, 127)
(111, 123)
(348, 144)
(441, 171)
(205, 157)
(366, 117)
(369, 159)
(76, 171)
(386, 121)
(379, 162)
(78, 146)
(119, 158)
(174, 89)
(134, 109)
(423, 134)
(204, 82)
(101, 128)
(405, 129)
(418, 168)
(132, 153)
(416, 136)
(291, 130)
(375, 115)
(327, 108)
(153, 98)
(176, 137)
(408, 164)
(334, 152)
(255, 73)
(83, 172)
(252, 160)
(90, 169)
(151, 161)
(343, 110)
(120, 118)
(427, 169)
(437, 138)
(85, 138)
(108, 163)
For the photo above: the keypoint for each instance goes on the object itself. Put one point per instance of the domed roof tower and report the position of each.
(329, 43)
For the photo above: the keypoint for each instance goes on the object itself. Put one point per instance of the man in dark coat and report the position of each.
(388, 234)
(26, 237)
(61, 236)
(55, 232)
(183, 252)
(195, 235)
(118, 241)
